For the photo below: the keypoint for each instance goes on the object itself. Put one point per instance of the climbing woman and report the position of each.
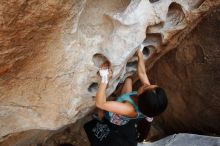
(131, 107)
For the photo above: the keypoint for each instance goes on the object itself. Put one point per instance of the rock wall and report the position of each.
(184, 139)
(50, 52)
(190, 75)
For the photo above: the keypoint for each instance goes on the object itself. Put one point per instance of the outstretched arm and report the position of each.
(141, 69)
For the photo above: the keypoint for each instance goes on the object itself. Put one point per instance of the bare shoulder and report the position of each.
(131, 113)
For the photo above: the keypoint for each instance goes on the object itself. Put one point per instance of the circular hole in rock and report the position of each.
(131, 66)
(93, 87)
(99, 59)
(146, 51)
(175, 15)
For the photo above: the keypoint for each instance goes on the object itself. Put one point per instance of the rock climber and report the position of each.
(131, 108)
(149, 101)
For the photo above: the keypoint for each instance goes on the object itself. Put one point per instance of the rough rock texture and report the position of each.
(50, 52)
(72, 134)
(185, 140)
(190, 75)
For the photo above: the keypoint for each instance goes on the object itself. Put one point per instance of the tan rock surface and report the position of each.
(191, 76)
(50, 51)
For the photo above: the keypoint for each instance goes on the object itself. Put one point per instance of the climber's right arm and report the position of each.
(100, 95)
(141, 69)
(111, 106)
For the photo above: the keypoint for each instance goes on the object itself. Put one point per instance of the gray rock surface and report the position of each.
(185, 140)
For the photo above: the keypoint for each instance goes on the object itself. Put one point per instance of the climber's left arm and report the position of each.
(141, 70)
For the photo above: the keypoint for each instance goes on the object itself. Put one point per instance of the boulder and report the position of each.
(50, 52)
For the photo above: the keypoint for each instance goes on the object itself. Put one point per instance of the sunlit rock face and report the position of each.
(191, 76)
(50, 52)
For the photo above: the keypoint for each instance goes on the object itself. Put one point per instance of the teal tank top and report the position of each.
(122, 120)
